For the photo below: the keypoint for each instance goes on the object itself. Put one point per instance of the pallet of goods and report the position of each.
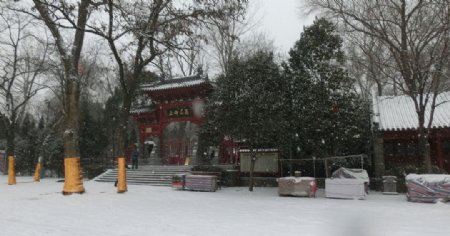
(428, 188)
(297, 186)
(206, 183)
(347, 184)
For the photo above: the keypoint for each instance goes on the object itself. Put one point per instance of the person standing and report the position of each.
(134, 158)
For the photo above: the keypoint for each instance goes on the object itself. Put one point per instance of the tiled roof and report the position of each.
(399, 113)
(175, 83)
(141, 110)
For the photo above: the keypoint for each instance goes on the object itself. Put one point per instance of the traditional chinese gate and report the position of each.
(180, 142)
(171, 117)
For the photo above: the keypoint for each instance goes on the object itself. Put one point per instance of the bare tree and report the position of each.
(370, 63)
(22, 62)
(138, 32)
(98, 79)
(255, 43)
(224, 34)
(416, 33)
(182, 61)
(55, 15)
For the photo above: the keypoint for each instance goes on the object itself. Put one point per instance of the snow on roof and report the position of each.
(141, 110)
(399, 113)
(182, 82)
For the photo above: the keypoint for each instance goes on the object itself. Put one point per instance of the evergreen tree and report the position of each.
(111, 119)
(248, 102)
(93, 140)
(41, 124)
(27, 148)
(327, 116)
(2, 128)
(54, 153)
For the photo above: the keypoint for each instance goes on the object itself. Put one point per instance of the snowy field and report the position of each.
(40, 209)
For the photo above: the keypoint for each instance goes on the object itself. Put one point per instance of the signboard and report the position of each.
(266, 160)
(151, 130)
(177, 112)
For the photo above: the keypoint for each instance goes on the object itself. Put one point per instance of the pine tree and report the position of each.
(54, 153)
(248, 102)
(27, 148)
(327, 115)
(41, 124)
(93, 140)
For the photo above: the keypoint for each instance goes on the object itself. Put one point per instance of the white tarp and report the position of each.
(347, 173)
(347, 183)
(428, 188)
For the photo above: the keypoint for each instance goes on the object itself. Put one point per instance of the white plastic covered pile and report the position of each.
(428, 188)
(348, 184)
(347, 173)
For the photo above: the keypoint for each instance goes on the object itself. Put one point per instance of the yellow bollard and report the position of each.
(121, 176)
(37, 171)
(11, 171)
(73, 180)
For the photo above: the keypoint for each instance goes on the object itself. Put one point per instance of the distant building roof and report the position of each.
(141, 110)
(182, 82)
(399, 112)
(171, 88)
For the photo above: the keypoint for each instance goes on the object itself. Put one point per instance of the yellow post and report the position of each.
(73, 180)
(121, 176)
(37, 171)
(11, 171)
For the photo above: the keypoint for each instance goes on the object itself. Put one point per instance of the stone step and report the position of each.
(139, 177)
(149, 174)
(146, 175)
(154, 175)
(150, 183)
(147, 167)
(152, 172)
(142, 183)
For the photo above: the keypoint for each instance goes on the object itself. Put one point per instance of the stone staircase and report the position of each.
(154, 175)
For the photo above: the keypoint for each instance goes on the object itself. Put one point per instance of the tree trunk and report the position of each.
(10, 146)
(37, 171)
(73, 179)
(10, 136)
(424, 148)
(327, 170)
(423, 144)
(122, 141)
(252, 168)
(123, 124)
(378, 157)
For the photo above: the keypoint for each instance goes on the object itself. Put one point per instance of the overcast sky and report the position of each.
(283, 21)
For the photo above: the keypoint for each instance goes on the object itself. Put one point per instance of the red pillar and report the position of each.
(161, 147)
(141, 134)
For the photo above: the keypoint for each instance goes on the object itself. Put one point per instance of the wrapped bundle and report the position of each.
(348, 184)
(297, 186)
(428, 188)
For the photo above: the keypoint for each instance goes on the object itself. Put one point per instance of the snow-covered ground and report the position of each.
(40, 209)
